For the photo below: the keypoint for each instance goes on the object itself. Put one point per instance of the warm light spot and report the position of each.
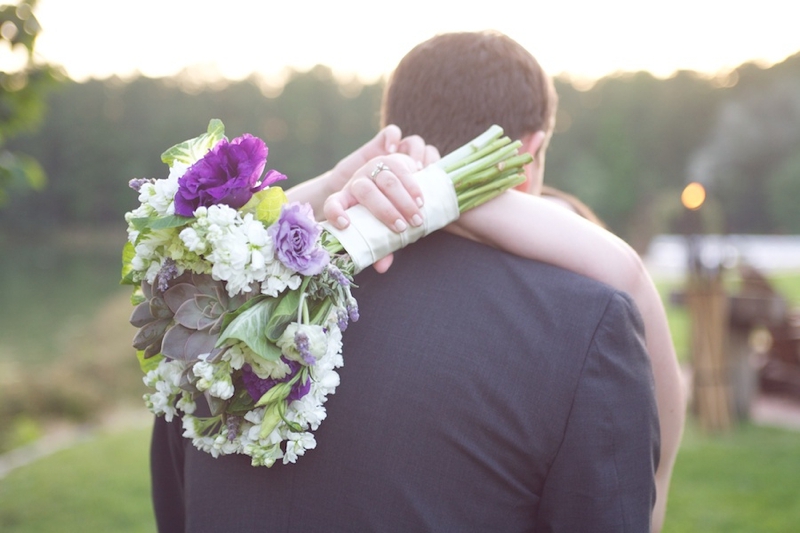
(693, 196)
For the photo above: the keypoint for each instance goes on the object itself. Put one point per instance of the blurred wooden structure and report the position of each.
(708, 311)
(726, 378)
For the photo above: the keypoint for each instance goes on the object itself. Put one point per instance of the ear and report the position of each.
(532, 143)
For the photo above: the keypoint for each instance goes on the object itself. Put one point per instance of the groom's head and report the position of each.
(452, 87)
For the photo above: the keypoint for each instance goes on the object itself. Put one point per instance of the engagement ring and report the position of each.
(378, 169)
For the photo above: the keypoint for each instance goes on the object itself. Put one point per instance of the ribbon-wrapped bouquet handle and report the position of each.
(465, 178)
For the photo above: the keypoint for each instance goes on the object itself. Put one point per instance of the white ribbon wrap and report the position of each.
(367, 239)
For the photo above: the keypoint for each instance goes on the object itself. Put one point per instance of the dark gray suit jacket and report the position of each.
(480, 392)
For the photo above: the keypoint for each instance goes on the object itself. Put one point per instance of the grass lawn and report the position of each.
(743, 482)
(746, 482)
(101, 485)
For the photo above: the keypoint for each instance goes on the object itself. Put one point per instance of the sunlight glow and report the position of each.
(236, 38)
(693, 196)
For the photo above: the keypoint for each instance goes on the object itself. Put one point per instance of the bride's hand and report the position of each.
(385, 186)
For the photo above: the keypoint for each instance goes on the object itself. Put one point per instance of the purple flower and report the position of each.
(295, 237)
(167, 272)
(228, 174)
(257, 387)
(338, 276)
(136, 183)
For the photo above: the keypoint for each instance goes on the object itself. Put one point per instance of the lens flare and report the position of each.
(693, 196)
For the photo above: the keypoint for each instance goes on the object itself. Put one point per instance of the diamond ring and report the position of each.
(380, 167)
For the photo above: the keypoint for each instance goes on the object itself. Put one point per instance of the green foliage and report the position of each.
(618, 145)
(626, 146)
(100, 134)
(22, 96)
(783, 190)
(194, 149)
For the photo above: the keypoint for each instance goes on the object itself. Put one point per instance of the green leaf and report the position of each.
(141, 223)
(149, 363)
(240, 403)
(278, 393)
(170, 221)
(229, 317)
(285, 313)
(137, 296)
(192, 150)
(272, 417)
(249, 327)
(128, 253)
(270, 202)
(320, 312)
(145, 224)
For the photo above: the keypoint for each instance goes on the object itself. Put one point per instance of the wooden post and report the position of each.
(708, 311)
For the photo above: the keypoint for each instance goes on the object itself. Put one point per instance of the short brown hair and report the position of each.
(452, 87)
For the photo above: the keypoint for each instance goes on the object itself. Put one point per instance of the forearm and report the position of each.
(536, 228)
(313, 192)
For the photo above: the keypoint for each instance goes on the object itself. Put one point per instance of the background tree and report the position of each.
(21, 94)
(626, 145)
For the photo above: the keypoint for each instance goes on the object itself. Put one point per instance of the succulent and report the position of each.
(152, 317)
(184, 321)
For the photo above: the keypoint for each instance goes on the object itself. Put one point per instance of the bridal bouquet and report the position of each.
(241, 297)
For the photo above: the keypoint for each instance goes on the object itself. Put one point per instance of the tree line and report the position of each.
(626, 145)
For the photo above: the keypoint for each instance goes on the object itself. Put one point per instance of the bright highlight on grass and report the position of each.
(693, 196)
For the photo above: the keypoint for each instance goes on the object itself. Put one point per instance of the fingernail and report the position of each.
(420, 201)
(342, 222)
(416, 220)
(392, 148)
(419, 165)
(399, 225)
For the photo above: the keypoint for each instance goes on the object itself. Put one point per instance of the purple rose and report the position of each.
(295, 237)
(228, 174)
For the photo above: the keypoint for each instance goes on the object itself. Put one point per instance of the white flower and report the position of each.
(193, 241)
(234, 356)
(265, 369)
(186, 404)
(222, 389)
(222, 216)
(214, 378)
(204, 371)
(305, 343)
(159, 194)
(297, 445)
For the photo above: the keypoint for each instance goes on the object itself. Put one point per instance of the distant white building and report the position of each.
(668, 255)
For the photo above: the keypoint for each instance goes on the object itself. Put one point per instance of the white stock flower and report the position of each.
(160, 194)
(235, 356)
(302, 342)
(222, 389)
(192, 240)
(265, 369)
(186, 403)
(297, 445)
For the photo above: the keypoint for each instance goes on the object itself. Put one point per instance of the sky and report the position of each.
(234, 38)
